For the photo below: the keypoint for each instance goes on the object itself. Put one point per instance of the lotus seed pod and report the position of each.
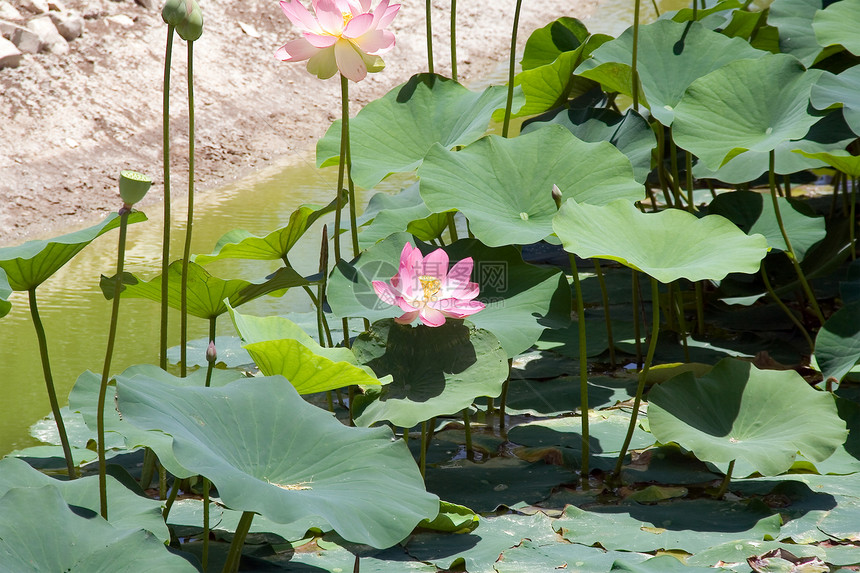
(211, 353)
(185, 16)
(133, 186)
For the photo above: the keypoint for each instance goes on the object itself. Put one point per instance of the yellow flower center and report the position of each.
(431, 286)
(347, 16)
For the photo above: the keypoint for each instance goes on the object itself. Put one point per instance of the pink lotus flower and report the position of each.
(343, 35)
(424, 288)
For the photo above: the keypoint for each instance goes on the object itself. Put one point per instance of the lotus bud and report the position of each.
(133, 187)
(185, 16)
(556, 196)
(211, 354)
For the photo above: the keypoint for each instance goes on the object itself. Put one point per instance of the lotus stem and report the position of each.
(695, 10)
(689, 169)
(452, 227)
(635, 74)
(605, 295)
(165, 247)
(789, 249)
(183, 297)
(786, 180)
(583, 367)
(204, 558)
(422, 455)
(682, 321)
(503, 400)
(210, 360)
(49, 383)
(148, 468)
(637, 329)
(786, 310)
(643, 375)
(700, 308)
(467, 429)
(661, 169)
(357, 567)
(353, 224)
(114, 319)
(656, 9)
(162, 482)
(428, 15)
(171, 498)
(673, 161)
(511, 70)
(231, 565)
(852, 222)
(454, 40)
(726, 479)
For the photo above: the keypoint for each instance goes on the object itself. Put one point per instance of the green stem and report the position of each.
(656, 9)
(504, 401)
(583, 366)
(428, 14)
(511, 70)
(204, 558)
(49, 383)
(637, 327)
(605, 294)
(210, 363)
(786, 179)
(231, 565)
(356, 568)
(353, 224)
(452, 227)
(689, 170)
(786, 310)
(467, 428)
(682, 321)
(789, 249)
(162, 482)
(422, 455)
(321, 289)
(700, 308)
(454, 40)
(635, 75)
(661, 169)
(728, 478)
(171, 498)
(165, 247)
(643, 374)
(673, 159)
(114, 319)
(183, 297)
(148, 468)
(852, 223)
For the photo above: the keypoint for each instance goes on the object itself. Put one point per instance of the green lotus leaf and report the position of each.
(452, 518)
(660, 564)
(550, 85)
(5, 291)
(522, 299)
(746, 105)
(668, 245)
(126, 509)
(392, 134)
(504, 186)
(205, 292)
(480, 549)
(721, 7)
(46, 535)
(842, 89)
(843, 161)
(405, 211)
(739, 551)
(268, 451)
(830, 133)
(532, 556)
(607, 433)
(630, 133)
(280, 346)
(837, 345)
(546, 44)
(29, 265)
(84, 398)
(761, 418)
(838, 24)
(424, 384)
(240, 244)
(794, 20)
(689, 525)
(671, 56)
(745, 24)
(753, 213)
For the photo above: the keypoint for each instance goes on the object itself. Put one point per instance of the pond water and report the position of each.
(76, 314)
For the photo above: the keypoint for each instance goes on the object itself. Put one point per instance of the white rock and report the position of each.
(35, 6)
(70, 25)
(7, 28)
(10, 56)
(26, 40)
(71, 142)
(9, 12)
(52, 41)
(120, 20)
